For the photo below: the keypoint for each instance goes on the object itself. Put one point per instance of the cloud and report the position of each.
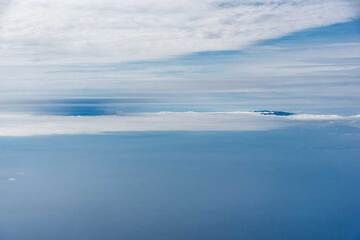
(324, 117)
(66, 31)
(68, 49)
(30, 125)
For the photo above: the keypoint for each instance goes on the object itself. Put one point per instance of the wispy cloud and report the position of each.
(42, 31)
(209, 55)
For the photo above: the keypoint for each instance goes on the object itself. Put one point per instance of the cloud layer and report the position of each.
(65, 31)
(31, 125)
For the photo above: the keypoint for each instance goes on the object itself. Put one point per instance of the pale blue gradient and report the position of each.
(283, 184)
(297, 183)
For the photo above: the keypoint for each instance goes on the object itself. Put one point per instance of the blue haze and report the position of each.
(297, 183)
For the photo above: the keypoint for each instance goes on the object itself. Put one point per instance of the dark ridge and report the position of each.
(79, 110)
(275, 113)
(85, 106)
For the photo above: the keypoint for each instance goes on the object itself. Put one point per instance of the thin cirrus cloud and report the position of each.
(42, 31)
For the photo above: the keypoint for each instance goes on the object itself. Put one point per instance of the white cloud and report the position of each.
(67, 31)
(63, 48)
(29, 125)
(324, 117)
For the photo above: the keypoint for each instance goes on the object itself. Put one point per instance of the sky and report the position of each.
(205, 56)
(179, 119)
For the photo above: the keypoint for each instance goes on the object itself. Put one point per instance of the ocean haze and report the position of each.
(295, 183)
